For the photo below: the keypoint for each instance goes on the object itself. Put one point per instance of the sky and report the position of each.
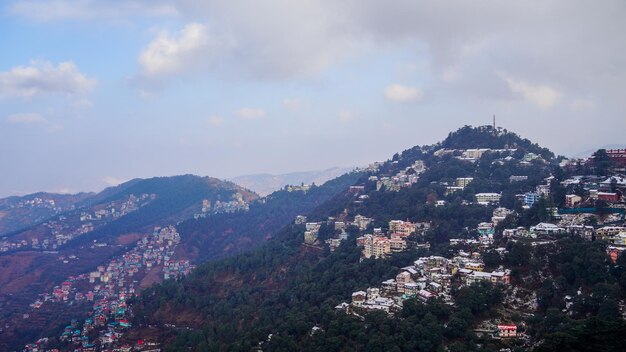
(96, 92)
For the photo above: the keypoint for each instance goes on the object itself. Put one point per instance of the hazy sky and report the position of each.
(93, 92)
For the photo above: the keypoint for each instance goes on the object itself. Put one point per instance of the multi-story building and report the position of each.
(401, 280)
(376, 246)
(487, 198)
(463, 181)
(514, 178)
(618, 156)
(531, 198)
(571, 200)
(607, 232)
(401, 228)
(608, 197)
(397, 244)
(361, 222)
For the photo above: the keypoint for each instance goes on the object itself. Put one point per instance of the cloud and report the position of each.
(26, 119)
(216, 120)
(347, 116)
(43, 78)
(403, 94)
(292, 104)
(541, 95)
(251, 113)
(54, 10)
(193, 49)
(168, 53)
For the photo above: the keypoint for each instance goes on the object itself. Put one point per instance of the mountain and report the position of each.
(454, 245)
(283, 296)
(84, 231)
(214, 219)
(264, 184)
(17, 213)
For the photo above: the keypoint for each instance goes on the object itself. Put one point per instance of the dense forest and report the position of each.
(281, 297)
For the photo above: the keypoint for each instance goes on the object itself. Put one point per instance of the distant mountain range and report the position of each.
(264, 184)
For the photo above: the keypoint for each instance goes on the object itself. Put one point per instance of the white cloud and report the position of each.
(541, 95)
(27, 119)
(292, 104)
(216, 120)
(169, 53)
(403, 94)
(251, 113)
(42, 77)
(347, 116)
(193, 49)
(52, 10)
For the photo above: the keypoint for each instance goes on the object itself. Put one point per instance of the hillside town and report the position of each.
(64, 228)
(593, 209)
(108, 289)
(236, 204)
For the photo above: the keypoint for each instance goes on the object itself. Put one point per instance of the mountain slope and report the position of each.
(286, 288)
(93, 230)
(18, 213)
(564, 291)
(213, 234)
(226, 234)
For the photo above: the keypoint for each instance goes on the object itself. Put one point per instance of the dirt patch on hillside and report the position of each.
(129, 238)
(154, 275)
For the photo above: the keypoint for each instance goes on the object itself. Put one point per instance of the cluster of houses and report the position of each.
(474, 154)
(429, 277)
(236, 204)
(109, 287)
(116, 210)
(65, 228)
(459, 184)
(585, 189)
(404, 178)
(380, 245)
(311, 233)
(36, 202)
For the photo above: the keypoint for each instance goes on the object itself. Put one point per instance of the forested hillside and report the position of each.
(484, 266)
(282, 297)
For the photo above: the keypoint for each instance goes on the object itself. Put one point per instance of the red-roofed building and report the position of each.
(618, 156)
(507, 330)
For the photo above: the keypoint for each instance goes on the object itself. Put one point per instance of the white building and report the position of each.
(487, 198)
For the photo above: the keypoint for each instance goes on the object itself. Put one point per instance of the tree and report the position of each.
(602, 163)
